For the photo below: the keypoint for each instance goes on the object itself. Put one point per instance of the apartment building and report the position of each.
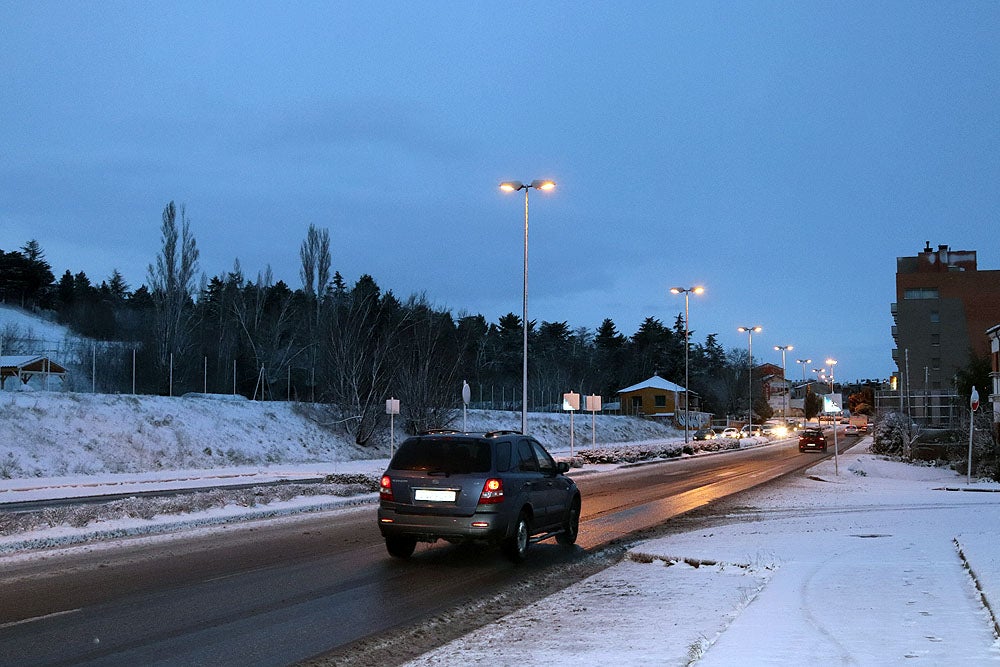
(944, 306)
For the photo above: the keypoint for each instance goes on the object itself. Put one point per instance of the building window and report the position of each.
(936, 340)
(921, 293)
(935, 364)
(935, 317)
(660, 400)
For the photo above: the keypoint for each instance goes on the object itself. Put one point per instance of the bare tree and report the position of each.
(171, 281)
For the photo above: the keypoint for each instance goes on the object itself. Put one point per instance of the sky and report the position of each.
(793, 573)
(781, 154)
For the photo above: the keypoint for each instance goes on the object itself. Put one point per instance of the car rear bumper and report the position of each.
(479, 526)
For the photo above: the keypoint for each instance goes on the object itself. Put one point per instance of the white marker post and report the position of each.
(594, 405)
(392, 409)
(974, 404)
(466, 397)
(571, 402)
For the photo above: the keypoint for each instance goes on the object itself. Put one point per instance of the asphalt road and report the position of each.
(280, 592)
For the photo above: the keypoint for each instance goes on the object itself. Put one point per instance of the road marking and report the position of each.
(39, 618)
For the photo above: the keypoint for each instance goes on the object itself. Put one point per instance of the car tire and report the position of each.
(515, 547)
(572, 526)
(400, 546)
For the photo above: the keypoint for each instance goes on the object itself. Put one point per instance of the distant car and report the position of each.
(851, 430)
(731, 433)
(775, 430)
(751, 431)
(705, 434)
(494, 488)
(812, 439)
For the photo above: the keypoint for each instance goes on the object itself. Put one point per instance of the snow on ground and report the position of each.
(877, 565)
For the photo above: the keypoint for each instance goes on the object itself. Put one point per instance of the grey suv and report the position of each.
(497, 488)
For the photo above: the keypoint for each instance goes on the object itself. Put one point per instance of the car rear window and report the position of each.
(454, 456)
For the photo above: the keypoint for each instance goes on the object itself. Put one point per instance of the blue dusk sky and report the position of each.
(782, 154)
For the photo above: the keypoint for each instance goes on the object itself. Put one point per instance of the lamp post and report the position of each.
(803, 362)
(784, 403)
(514, 186)
(750, 330)
(836, 421)
(687, 292)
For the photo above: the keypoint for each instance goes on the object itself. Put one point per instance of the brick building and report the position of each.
(944, 306)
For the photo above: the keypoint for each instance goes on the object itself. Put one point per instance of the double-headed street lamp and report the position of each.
(784, 404)
(805, 394)
(686, 291)
(514, 186)
(803, 363)
(750, 330)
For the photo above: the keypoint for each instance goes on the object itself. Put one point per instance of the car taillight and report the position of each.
(492, 492)
(385, 488)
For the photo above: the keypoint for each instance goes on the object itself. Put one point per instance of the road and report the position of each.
(280, 592)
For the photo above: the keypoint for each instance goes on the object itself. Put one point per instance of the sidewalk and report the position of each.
(864, 568)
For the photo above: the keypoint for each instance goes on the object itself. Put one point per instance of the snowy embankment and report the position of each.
(55, 434)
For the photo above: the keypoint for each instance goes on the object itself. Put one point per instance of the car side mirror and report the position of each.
(562, 467)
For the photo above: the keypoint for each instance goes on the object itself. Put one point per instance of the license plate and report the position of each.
(435, 495)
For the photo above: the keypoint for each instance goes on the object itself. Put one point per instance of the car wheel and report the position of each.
(400, 547)
(516, 546)
(572, 526)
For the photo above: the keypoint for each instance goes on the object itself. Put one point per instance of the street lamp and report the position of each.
(831, 363)
(514, 186)
(750, 330)
(784, 404)
(687, 292)
(805, 394)
(836, 421)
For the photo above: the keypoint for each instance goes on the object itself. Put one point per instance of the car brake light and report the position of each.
(385, 488)
(492, 492)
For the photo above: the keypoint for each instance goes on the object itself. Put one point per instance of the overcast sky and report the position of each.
(782, 154)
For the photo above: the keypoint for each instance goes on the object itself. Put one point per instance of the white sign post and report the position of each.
(832, 404)
(392, 409)
(571, 402)
(594, 405)
(974, 404)
(466, 397)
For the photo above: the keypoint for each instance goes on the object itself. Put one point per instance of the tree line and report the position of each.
(347, 346)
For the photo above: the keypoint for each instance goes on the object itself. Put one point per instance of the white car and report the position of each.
(851, 430)
(731, 433)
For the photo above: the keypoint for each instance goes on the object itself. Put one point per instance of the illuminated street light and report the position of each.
(514, 186)
(750, 330)
(784, 404)
(686, 291)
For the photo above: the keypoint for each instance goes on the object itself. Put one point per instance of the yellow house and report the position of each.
(654, 397)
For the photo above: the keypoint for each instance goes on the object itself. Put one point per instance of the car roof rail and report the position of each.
(439, 431)
(496, 434)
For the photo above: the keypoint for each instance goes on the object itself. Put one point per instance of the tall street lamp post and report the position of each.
(803, 362)
(784, 403)
(687, 292)
(514, 186)
(836, 421)
(750, 330)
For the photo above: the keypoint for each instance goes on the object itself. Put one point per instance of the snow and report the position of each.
(884, 564)
(875, 563)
